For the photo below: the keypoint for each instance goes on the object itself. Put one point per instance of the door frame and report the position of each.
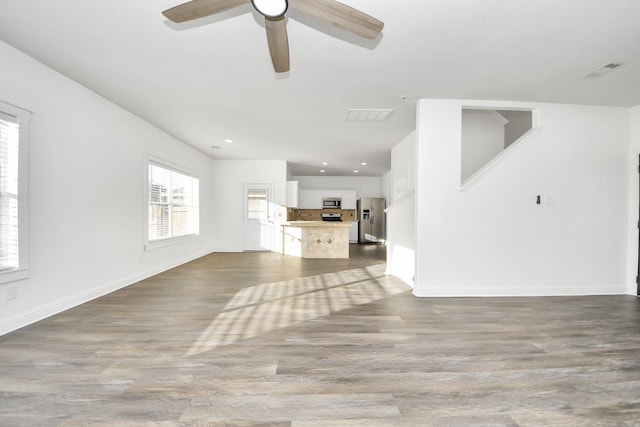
(268, 223)
(638, 227)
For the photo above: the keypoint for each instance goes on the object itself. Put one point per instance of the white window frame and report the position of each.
(22, 117)
(165, 241)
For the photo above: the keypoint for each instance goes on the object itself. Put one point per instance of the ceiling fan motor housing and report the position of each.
(271, 8)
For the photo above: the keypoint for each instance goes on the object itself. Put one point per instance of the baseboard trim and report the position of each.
(228, 249)
(403, 277)
(454, 292)
(39, 313)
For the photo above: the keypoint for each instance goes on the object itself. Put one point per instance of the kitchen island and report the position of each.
(316, 239)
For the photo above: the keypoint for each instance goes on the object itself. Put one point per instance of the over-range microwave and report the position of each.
(332, 203)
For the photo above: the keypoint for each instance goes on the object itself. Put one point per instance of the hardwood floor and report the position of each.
(259, 339)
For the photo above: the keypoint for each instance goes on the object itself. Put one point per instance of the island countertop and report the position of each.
(316, 239)
(316, 224)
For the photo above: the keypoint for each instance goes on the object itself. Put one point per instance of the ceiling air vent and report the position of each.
(368, 114)
(600, 71)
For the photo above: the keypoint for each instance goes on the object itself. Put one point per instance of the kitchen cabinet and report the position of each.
(316, 239)
(348, 199)
(312, 199)
(293, 194)
(353, 232)
(330, 194)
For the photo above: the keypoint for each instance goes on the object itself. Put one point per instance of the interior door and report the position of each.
(258, 218)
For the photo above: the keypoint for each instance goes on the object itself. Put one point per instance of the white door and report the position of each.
(258, 217)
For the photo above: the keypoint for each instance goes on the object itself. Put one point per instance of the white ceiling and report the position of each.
(212, 79)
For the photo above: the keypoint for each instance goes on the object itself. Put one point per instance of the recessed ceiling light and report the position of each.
(356, 171)
(363, 163)
(324, 163)
(229, 141)
(322, 170)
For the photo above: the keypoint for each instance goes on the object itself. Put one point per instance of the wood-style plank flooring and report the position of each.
(260, 339)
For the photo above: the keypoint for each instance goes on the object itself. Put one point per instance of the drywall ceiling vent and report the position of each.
(605, 69)
(368, 114)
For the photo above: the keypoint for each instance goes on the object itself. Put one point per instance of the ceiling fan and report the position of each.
(330, 11)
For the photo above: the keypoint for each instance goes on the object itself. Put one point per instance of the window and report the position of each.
(173, 203)
(257, 204)
(14, 126)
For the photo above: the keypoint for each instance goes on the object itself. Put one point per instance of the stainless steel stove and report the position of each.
(331, 217)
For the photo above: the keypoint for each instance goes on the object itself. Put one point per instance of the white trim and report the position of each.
(228, 249)
(408, 196)
(443, 291)
(148, 245)
(168, 164)
(36, 314)
(270, 188)
(23, 119)
(171, 241)
(499, 117)
(13, 275)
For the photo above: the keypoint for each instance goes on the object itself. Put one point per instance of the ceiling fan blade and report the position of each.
(278, 43)
(199, 9)
(341, 16)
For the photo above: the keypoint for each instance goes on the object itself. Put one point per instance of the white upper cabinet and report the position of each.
(312, 199)
(293, 194)
(348, 199)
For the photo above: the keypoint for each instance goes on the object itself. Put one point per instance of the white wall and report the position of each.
(519, 123)
(229, 176)
(87, 202)
(403, 168)
(493, 239)
(386, 187)
(365, 186)
(401, 231)
(634, 203)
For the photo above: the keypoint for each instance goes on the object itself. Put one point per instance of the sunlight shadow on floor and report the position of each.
(271, 306)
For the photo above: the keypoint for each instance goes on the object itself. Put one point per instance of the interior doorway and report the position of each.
(258, 230)
(638, 228)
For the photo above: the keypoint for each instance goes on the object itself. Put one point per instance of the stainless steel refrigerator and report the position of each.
(371, 220)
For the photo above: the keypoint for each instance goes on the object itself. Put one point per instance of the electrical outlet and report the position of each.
(544, 200)
(12, 292)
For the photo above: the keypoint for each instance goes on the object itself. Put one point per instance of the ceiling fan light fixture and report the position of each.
(329, 11)
(600, 71)
(271, 8)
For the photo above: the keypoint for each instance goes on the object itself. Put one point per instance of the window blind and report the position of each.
(173, 203)
(9, 220)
